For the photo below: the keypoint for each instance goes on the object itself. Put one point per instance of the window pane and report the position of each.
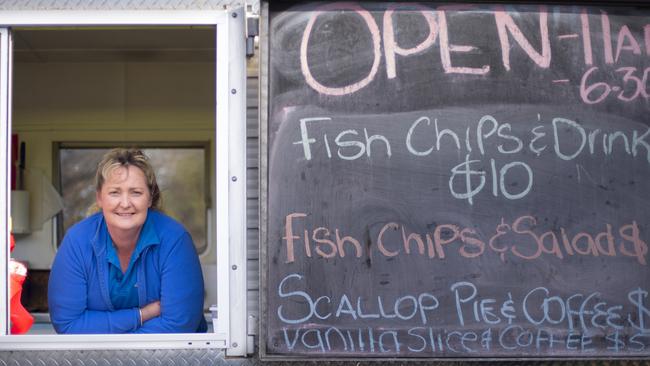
(180, 173)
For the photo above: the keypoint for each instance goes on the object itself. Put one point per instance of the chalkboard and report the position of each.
(457, 181)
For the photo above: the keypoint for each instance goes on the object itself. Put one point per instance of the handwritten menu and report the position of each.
(457, 181)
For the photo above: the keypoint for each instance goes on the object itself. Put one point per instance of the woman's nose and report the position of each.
(124, 200)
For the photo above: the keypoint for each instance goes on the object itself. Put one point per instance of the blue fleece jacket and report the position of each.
(168, 271)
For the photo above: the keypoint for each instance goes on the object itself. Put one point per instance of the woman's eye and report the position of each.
(113, 193)
(137, 193)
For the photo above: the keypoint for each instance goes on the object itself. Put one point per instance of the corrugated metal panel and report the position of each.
(252, 193)
(253, 244)
(252, 153)
(252, 214)
(252, 88)
(119, 4)
(252, 184)
(253, 269)
(251, 122)
(253, 302)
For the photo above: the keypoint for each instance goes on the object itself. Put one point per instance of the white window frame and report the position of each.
(230, 167)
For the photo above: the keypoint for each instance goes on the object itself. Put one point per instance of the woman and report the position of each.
(128, 268)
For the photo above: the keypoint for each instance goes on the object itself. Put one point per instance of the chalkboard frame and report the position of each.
(264, 107)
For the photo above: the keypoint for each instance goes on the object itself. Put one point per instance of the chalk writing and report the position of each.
(488, 132)
(510, 37)
(596, 92)
(432, 341)
(403, 308)
(566, 139)
(509, 240)
(468, 190)
(462, 180)
(537, 320)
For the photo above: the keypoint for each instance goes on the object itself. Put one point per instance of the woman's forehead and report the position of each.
(125, 174)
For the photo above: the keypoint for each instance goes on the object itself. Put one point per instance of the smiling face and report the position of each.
(124, 199)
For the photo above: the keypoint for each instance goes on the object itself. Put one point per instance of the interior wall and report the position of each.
(109, 101)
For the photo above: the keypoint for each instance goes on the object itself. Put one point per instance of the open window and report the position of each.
(171, 83)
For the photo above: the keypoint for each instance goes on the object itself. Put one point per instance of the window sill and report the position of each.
(43, 337)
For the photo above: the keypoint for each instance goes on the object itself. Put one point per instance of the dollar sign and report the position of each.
(618, 344)
(636, 297)
(463, 169)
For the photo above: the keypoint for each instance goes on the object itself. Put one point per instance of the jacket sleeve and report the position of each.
(181, 291)
(68, 297)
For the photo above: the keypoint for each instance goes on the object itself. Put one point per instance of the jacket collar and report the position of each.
(148, 235)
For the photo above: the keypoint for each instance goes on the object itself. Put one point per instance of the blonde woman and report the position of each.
(128, 268)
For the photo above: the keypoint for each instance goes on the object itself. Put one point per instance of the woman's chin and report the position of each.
(126, 224)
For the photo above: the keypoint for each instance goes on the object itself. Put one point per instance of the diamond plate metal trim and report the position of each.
(217, 357)
(120, 4)
(118, 358)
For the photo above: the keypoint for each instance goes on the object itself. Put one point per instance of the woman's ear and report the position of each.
(98, 200)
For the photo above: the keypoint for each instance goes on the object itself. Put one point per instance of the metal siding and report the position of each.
(252, 214)
(251, 119)
(253, 268)
(254, 305)
(253, 243)
(252, 89)
(263, 56)
(252, 184)
(252, 153)
(119, 4)
(252, 195)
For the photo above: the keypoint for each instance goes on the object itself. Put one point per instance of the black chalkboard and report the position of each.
(457, 181)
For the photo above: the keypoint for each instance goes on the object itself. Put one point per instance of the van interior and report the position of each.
(78, 92)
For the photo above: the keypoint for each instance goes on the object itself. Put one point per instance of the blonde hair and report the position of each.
(123, 158)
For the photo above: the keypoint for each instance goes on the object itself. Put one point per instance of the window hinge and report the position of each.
(252, 31)
(252, 333)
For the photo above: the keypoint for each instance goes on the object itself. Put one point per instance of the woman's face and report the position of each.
(124, 199)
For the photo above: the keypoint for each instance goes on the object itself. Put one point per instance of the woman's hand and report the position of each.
(150, 311)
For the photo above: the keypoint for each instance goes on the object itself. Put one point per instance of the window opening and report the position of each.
(226, 154)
